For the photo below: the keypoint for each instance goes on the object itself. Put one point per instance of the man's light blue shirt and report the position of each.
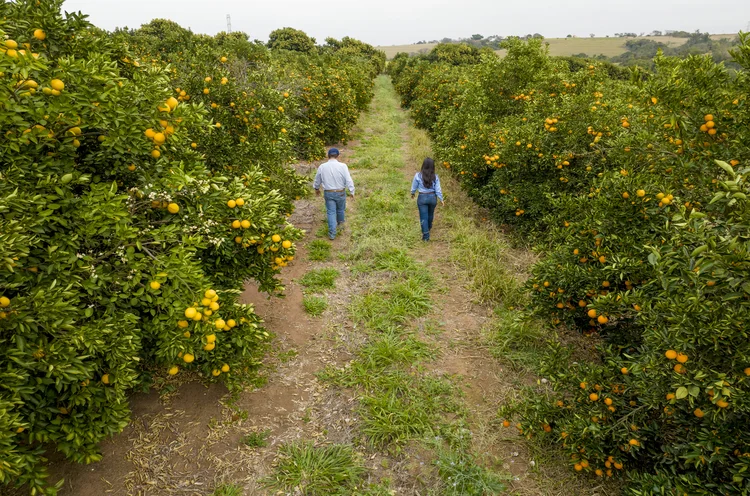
(333, 175)
(417, 184)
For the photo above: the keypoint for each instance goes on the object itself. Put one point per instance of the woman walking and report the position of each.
(428, 185)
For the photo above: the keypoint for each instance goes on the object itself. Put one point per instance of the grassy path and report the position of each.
(391, 360)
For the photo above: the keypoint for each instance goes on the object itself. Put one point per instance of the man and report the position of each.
(335, 179)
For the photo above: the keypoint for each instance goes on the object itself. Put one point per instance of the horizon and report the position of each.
(421, 20)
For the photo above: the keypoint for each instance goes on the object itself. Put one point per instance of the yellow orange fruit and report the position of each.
(155, 285)
(188, 357)
(671, 354)
(173, 370)
(57, 84)
(105, 379)
(191, 312)
(173, 208)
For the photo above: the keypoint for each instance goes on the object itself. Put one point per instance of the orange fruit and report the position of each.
(173, 370)
(634, 442)
(155, 285)
(593, 396)
(188, 357)
(682, 358)
(578, 467)
(602, 319)
(231, 204)
(173, 208)
(506, 423)
(57, 84)
(722, 404)
(592, 313)
(698, 413)
(671, 354)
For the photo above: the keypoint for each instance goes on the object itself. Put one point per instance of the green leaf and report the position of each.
(681, 393)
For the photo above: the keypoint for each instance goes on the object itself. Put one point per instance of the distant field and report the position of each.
(564, 46)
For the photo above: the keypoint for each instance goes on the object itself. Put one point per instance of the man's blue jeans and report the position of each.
(426, 205)
(335, 206)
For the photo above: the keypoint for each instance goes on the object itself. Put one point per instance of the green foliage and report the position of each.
(291, 39)
(643, 241)
(319, 250)
(256, 439)
(315, 305)
(132, 189)
(461, 475)
(319, 279)
(317, 470)
(228, 490)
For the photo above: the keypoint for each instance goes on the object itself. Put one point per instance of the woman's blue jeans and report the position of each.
(426, 205)
(335, 207)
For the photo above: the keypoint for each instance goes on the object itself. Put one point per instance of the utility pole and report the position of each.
(229, 23)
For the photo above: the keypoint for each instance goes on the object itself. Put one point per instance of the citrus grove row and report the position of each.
(144, 175)
(633, 188)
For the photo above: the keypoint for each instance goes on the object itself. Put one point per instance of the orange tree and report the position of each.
(273, 104)
(644, 241)
(125, 242)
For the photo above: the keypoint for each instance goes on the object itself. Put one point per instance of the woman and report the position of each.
(428, 185)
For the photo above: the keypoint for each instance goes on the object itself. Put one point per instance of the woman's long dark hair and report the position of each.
(428, 172)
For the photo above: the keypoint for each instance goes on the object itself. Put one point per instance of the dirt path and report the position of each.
(191, 442)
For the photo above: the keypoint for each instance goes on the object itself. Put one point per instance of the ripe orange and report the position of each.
(236, 224)
(670, 396)
(602, 319)
(747, 371)
(578, 467)
(155, 153)
(173, 370)
(698, 413)
(634, 442)
(40, 34)
(57, 84)
(239, 202)
(173, 208)
(722, 404)
(641, 193)
(506, 423)
(191, 312)
(105, 379)
(245, 224)
(286, 244)
(592, 313)
(231, 204)
(593, 396)
(275, 238)
(624, 370)
(4, 301)
(671, 354)
(583, 385)
(188, 357)
(159, 138)
(225, 368)
(682, 358)
(155, 285)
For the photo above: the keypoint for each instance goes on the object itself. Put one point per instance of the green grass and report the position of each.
(462, 476)
(315, 305)
(303, 468)
(319, 250)
(392, 305)
(256, 439)
(228, 490)
(319, 279)
(321, 232)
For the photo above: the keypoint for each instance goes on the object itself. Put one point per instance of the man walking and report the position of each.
(335, 178)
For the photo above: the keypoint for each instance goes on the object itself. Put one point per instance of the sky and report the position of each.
(399, 22)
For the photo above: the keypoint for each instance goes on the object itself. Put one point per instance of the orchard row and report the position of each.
(633, 188)
(144, 177)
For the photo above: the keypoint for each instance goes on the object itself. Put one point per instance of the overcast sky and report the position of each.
(396, 22)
